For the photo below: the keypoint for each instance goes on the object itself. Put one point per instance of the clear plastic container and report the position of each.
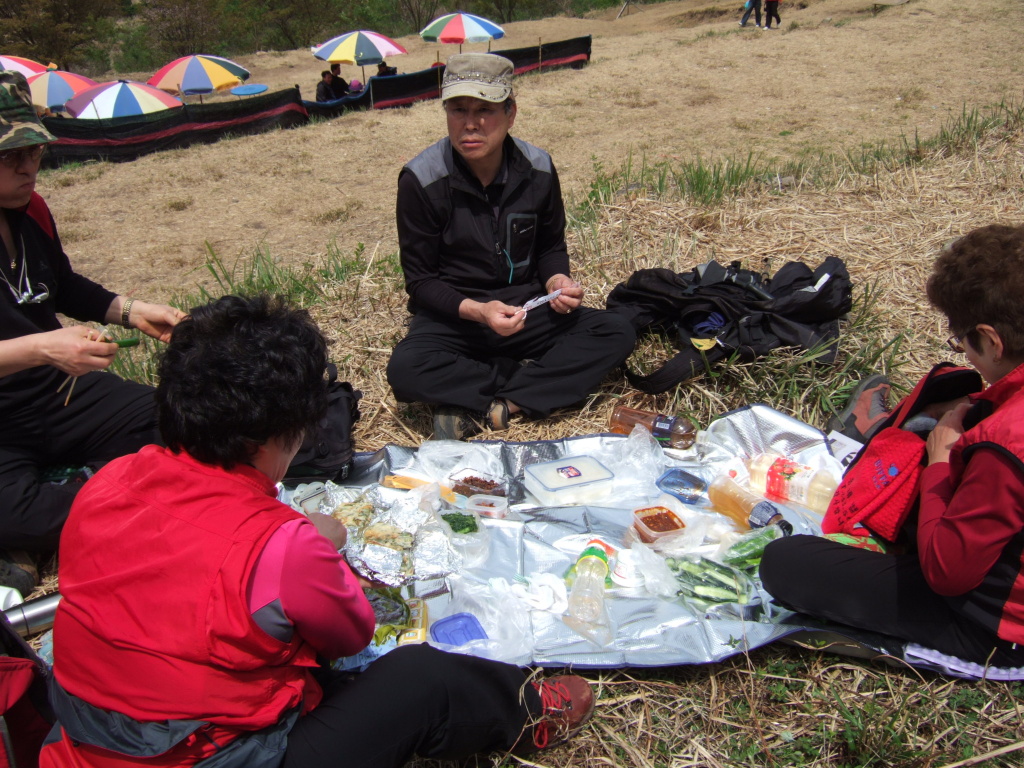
(488, 506)
(572, 480)
(652, 523)
(787, 480)
(683, 485)
(469, 482)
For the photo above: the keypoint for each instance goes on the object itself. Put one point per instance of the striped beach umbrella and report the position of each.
(358, 48)
(199, 73)
(119, 98)
(27, 67)
(461, 28)
(52, 88)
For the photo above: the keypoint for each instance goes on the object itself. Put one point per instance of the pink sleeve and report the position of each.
(318, 593)
(961, 533)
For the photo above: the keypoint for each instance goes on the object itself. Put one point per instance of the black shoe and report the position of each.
(18, 571)
(454, 423)
(497, 415)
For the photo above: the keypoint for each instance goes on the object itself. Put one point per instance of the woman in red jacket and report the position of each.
(196, 607)
(962, 591)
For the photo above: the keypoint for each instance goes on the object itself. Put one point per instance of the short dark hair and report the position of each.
(335, 66)
(325, 73)
(238, 372)
(508, 104)
(980, 279)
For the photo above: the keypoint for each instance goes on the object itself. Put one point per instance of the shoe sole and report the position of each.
(840, 422)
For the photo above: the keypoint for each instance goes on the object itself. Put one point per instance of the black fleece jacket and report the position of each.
(456, 243)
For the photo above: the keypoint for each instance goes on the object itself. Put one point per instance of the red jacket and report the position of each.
(154, 622)
(971, 523)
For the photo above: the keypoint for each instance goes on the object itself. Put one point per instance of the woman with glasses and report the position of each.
(960, 590)
(58, 408)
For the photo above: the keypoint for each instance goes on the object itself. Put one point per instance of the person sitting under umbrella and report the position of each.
(383, 70)
(324, 91)
(44, 425)
(338, 84)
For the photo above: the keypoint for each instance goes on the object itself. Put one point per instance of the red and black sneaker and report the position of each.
(568, 703)
(866, 409)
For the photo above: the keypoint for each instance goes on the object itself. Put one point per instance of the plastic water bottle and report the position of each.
(781, 478)
(672, 431)
(744, 507)
(587, 613)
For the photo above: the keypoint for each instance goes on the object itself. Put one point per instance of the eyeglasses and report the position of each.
(12, 158)
(956, 342)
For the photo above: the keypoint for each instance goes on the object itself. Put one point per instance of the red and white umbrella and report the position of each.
(27, 67)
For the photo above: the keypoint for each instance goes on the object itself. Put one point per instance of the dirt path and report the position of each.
(677, 80)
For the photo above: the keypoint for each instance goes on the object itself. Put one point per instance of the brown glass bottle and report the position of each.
(670, 431)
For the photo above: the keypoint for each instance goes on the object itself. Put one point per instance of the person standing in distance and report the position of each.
(481, 230)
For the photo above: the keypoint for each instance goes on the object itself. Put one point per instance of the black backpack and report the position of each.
(327, 453)
(736, 311)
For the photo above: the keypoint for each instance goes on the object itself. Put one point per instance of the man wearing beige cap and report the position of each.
(58, 407)
(481, 228)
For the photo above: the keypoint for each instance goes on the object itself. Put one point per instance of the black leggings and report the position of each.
(416, 700)
(876, 592)
(771, 9)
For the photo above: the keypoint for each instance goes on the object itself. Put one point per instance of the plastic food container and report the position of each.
(651, 523)
(488, 506)
(572, 480)
(626, 573)
(457, 629)
(684, 486)
(471, 483)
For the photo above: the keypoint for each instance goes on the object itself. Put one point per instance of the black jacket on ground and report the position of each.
(456, 244)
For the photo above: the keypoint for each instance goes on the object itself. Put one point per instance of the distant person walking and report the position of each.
(753, 7)
(771, 9)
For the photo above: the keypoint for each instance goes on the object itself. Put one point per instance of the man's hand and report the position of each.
(330, 528)
(76, 350)
(496, 315)
(946, 433)
(571, 296)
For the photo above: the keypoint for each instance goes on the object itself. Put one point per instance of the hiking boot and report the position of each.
(18, 570)
(497, 415)
(866, 409)
(568, 703)
(454, 423)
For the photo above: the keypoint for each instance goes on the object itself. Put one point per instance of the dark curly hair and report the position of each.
(980, 279)
(238, 372)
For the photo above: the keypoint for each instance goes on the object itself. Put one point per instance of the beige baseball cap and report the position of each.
(484, 76)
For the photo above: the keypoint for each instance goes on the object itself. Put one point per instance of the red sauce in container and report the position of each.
(653, 522)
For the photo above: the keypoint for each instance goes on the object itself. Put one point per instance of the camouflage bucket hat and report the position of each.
(19, 124)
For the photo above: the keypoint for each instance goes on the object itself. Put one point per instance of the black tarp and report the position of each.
(573, 53)
(126, 138)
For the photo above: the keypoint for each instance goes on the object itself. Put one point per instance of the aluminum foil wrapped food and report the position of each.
(393, 538)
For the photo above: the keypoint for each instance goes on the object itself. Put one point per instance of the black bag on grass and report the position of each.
(327, 453)
(718, 311)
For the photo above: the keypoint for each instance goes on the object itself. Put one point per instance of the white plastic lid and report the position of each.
(570, 472)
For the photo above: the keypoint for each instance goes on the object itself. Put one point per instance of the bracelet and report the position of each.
(126, 310)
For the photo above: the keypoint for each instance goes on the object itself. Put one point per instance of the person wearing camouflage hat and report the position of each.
(481, 232)
(59, 407)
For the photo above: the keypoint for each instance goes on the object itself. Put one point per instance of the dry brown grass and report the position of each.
(661, 86)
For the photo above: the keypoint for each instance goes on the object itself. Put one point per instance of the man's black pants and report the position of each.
(105, 418)
(416, 700)
(555, 361)
(879, 593)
